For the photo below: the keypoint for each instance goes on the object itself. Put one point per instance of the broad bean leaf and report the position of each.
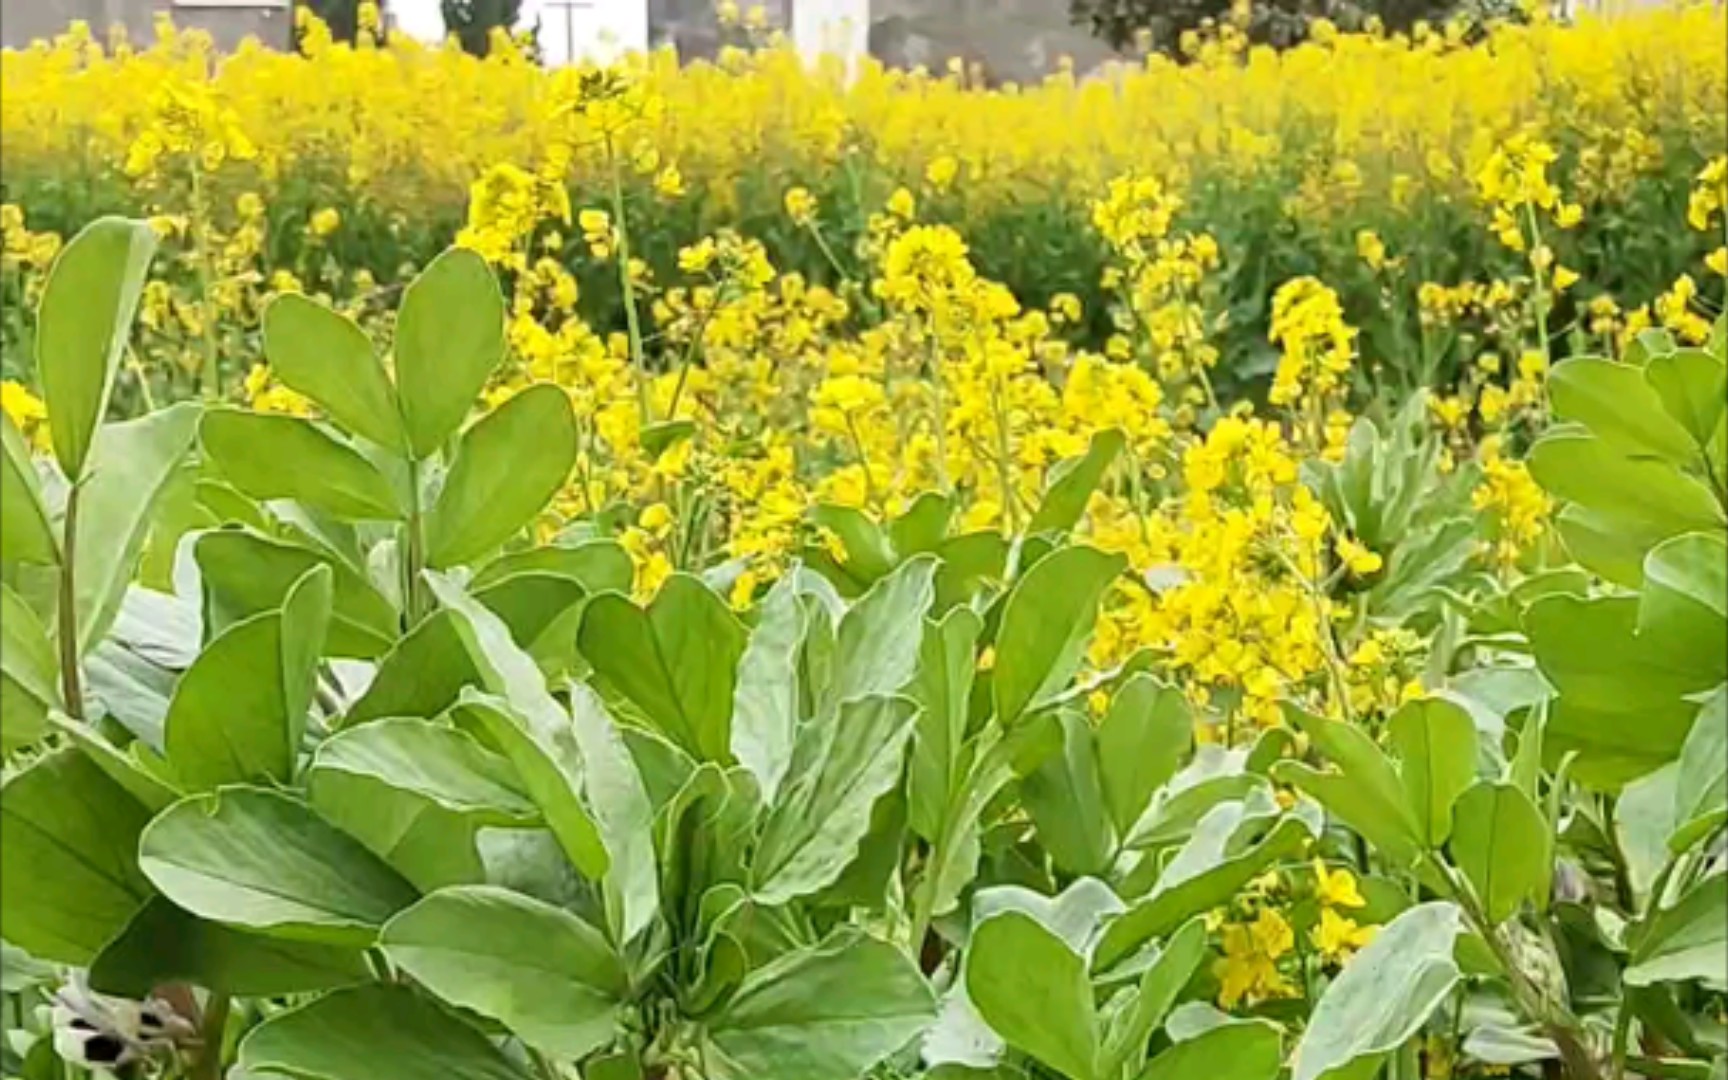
(618, 802)
(1701, 787)
(1033, 991)
(163, 944)
(1383, 996)
(449, 338)
(325, 356)
(538, 970)
(504, 668)
(869, 555)
(1141, 742)
(29, 674)
(441, 764)
(942, 688)
(263, 860)
(82, 325)
(1365, 791)
(327, 475)
(877, 642)
(429, 846)
(1206, 871)
(1626, 698)
(1046, 622)
(1618, 406)
(1065, 797)
(26, 536)
(130, 463)
(676, 662)
(830, 1010)
(1232, 1050)
(244, 574)
(1693, 386)
(1072, 483)
(765, 701)
(379, 1032)
(549, 763)
(1501, 842)
(69, 877)
(597, 565)
(1687, 940)
(842, 763)
(421, 675)
(239, 711)
(506, 468)
(1436, 743)
(1165, 977)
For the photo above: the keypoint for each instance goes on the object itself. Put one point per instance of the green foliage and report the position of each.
(472, 21)
(551, 829)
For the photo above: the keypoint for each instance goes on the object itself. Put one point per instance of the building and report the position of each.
(228, 21)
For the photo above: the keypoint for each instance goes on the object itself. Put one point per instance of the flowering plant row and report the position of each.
(1068, 723)
(1362, 160)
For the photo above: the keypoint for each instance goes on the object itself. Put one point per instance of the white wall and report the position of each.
(600, 30)
(831, 28)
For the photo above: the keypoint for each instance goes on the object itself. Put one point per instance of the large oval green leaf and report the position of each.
(1383, 997)
(28, 674)
(507, 467)
(1046, 623)
(1033, 991)
(82, 324)
(449, 338)
(25, 534)
(1233, 1050)
(263, 860)
(676, 662)
(253, 449)
(1501, 842)
(1687, 940)
(164, 944)
(243, 574)
(1142, 741)
(831, 1010)
(1436, 743)
(421, 675)
(325, 356)
(844, 762)
(372, 1033)
(69, 877)
(239, 711)
(130, 465)
(435, 762)
(538, 970)
(1615, 402)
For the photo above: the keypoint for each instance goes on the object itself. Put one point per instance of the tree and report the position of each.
(1279, 23)
(472, 21)
(341, 16)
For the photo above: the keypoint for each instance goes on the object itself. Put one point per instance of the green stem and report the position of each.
(210, 375)
(627, 287)
(213, 1027)
(414, 552)
(1554, 1018)
(70, 687)
(1622, 1033)
(1004, 467)
(1538, 283)
(542, 1065)
(937, 388)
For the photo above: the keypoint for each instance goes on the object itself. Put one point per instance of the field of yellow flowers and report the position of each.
(734, 571)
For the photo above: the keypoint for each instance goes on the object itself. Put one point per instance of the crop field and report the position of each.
(1212, 569)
